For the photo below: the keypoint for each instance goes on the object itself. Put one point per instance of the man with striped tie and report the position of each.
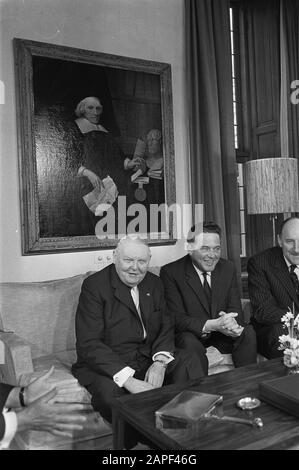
(274, 287)
(203, 298)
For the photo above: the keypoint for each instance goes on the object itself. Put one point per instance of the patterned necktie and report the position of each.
(207, 289)
(135, 297)
(294, 277)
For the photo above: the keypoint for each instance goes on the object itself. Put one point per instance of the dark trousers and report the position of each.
(267, 339)
(243, 348)
(104, 390)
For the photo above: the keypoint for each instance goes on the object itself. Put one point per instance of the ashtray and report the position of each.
(248, 403)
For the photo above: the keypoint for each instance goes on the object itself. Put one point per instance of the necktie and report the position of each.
(294, 277)
(135, 297)
(207, 289)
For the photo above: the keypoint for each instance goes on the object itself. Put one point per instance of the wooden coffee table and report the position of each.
(280, 430)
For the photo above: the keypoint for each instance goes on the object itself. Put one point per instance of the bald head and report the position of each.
(289, 240)
(131, 258)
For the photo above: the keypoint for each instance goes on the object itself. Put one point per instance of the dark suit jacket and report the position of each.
(271, 290)
(108, 329)
(185, 297)
(4, 392)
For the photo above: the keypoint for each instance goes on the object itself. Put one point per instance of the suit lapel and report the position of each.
(281, 271)
(122, 292)
(215, 288)
(195, 284)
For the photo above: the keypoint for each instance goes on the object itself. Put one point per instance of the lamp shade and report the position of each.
(272, 185)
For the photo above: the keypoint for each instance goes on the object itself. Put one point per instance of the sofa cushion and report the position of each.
(43, 313)
(68, 357)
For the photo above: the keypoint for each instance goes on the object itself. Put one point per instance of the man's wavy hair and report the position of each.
(204, 227)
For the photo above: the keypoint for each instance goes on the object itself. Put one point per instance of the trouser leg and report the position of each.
(244, 348)
(192, 345)
(267, 340)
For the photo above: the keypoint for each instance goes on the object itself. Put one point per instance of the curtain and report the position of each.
(213, 169)
(289, 37)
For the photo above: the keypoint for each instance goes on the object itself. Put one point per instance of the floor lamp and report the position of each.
(272, 187)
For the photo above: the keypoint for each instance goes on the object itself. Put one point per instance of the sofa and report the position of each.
(37, 330)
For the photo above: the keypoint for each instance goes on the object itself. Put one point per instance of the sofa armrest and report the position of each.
(17, 358)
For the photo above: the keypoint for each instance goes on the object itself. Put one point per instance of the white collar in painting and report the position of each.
(86, 126)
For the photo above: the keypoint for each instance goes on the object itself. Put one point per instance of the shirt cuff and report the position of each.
(11, 425)
(169, 357)
(204, 332)
(122, 376)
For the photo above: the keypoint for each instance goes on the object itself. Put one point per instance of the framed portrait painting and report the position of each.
(96, 148)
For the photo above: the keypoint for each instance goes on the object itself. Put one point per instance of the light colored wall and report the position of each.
(145, 29)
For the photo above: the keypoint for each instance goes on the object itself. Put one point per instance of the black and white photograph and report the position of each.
(149, 264)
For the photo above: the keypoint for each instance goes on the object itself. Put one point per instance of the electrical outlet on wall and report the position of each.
(101, 260)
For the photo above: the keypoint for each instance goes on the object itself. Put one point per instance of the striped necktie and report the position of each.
(135, 297)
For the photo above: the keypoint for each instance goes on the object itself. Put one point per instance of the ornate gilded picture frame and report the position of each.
(63, 195)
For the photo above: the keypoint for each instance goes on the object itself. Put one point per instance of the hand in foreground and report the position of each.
(155, 374)
(136, 386)
(58, 419)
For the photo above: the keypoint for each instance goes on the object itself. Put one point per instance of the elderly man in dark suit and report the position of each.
(125, 340)
(33, 407)
(274, 287)
(202, 296)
